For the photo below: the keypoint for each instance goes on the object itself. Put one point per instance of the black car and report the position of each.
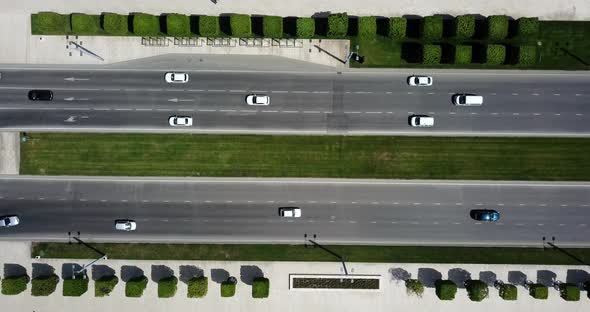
(40, 95)
(485, 215)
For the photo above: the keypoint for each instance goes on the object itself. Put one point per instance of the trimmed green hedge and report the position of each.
(50, 23)
(431, 54)
(528, 26)
(463, 54)
(527, 55)
(445, 289)
(432, 27)
(44, 285)
(197, 287)
(477, 290)
(337, 25)
(397, 27)
(14, 285)
(134, 287)
(495, 54)
(105, 285)
(305, 27)
(83, 24)
(260, 287)
(569, 292)
(272, 26)
(414, 286)
(167, 287)
(367, 26)
(538, 291)
(178, 25)
(228, 289)
(146, 25)
(115, 24)
(497, 27)
(241, 25)
(508, 292)
(465, 26)
(209, 26)
(75, 287)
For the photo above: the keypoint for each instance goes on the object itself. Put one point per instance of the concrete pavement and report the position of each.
(9, 152)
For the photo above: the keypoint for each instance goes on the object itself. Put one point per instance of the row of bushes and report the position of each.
(493, 54)
(477, 290)
(338, 25)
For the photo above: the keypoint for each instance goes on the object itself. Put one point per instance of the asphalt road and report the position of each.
(336, 211)
(356, 103)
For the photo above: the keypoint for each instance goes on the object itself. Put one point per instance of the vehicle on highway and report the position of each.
(125, 225)
(290, 212)
(173, 77)
(180, 121)
(467, 100)
(421, 121)
(485, 215)
(257, 99)
(40, 95)
(420, 81)
(8, 221)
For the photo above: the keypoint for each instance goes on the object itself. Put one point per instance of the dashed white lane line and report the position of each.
(227, 110)
(556, 94)
(515, 114)
(290, 111)
(279, 91)
(583, 224)
(154, 90)
(514, 93)
(557, 114)
(299, 91)
(259, 91)
(410, 92)
(270, 111)
(452, 113)
(536, 114)
(321, 92)
(493, 93)
(175, 90)
(352, 221)
(373, 112)
(143, 109)
(186, 110)
(196, 90)
(535, 94)
(578, 94)
(215, 90)
(207, 110)
(352, 112)
(579, 114)
(102, 200)
(187, 201)
(540, 224)
(101, 109)
(311, 112)
(240, 91)
(431, 93)
(123, 109)
(124, 200)
(363, 92)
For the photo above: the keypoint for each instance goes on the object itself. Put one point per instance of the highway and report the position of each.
(233, 210)
(355, 103)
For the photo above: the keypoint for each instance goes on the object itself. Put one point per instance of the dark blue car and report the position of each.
(485, 215)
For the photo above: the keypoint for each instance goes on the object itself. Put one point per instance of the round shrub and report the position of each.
(495, 54)
(83, 24)
(50, 23)
(497, 27)
(209, 26)
(508, 292)
(241, 25)
(463, 54)
(115, 24)
(432, 27)
(569, 292)
(445, 289)
(228, 289)
(528, 26)
(44, 285)
(260, 287)
(465, 26)
(527, 55)
(414, 286)
(476, 290)
(105, 285)
(538, 291)
(431, 54)
(134, 287)
(367, 26)
(337, 25)
(14, 285)
(197, 287)
(167, 287)
(75, 287)
(178, 25)
(397, 27)
(305, 27)
(272, 26)
(146, 25)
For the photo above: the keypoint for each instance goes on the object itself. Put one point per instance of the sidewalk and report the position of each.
(392, 296)
(9, 152)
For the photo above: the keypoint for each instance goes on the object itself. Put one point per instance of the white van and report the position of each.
(467, 100)
(422, 121)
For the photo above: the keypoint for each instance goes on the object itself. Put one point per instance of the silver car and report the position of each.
(8, 221)
(173, 77)
(125, 225)
(257, 99)
(180, 121)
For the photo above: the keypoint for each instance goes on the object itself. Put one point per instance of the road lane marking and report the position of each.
(279, 91)
(311, 112)
(227, 110)
(431, 93)
(556, 94)
(143, 109)
(207, 110)
(241, 91)
(196, 90)
(321, 92)
(270, 111)
(215, 90)
(299, 91)
(352, 112)
(535, 94)
(514, 93)
(373, 113)
(290, 111)
(259, 91)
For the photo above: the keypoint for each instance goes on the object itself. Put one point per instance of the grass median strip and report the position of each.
(301, 253)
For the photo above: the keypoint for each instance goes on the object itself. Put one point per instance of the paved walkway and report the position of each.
(9, 152)
(392, 296)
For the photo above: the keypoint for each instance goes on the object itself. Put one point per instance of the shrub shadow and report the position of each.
(161, 271)
(99, 271)
(399, 274)
(578, 277)
(428, 276)
(488, 277)
(516, 278)
(68, 269)
(249, 272)
(219, 275)
(13, 269)
(188, 272)
(459, 276)
(546, 277)
(129, 272)
(42, 269)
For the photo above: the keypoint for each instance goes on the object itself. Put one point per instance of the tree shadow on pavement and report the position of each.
(219, 275)
(249, 272)
(161, 271)
(42, 269)
(546, 277)
(488, 277)
(428, 276)
(188, 272)
(100, 271)
(13, 269)
(516, 278)
(129, 272)
(459, 276)
(399, 274)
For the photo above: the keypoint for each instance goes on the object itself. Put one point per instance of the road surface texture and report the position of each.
(337, 211)
(353, 103)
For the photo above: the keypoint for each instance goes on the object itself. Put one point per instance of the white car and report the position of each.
(256, 99)
(180, 121)
(420, 81)
(290, 212)
(173, 77)
(422, 121)
(125, 225)
(8, 221)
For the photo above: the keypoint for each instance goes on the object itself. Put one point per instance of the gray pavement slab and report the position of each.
(9, 152)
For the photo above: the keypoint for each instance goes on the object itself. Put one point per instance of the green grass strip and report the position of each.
(306, 156)
(240, 252)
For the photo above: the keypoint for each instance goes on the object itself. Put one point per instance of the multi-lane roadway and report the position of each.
(336, 211)
(515, 103)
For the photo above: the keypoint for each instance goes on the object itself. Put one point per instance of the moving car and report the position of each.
(125, 225)
(420, 81)
(40, 95)
(485, 215)
(180, 121)
(467, 100)
(173, 77)
(290, 212)
(256, 99)
(8, 221)
(421, 121)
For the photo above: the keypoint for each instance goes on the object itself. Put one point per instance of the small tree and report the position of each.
(497, 27)
(397, 27)
(83, 24)
(496, 54)
(241, 25)
(528, 26)
(414, 287)
(272, 26)
(432, 27)
(527, 55)
(178, 25)
(367, 26)
(50, 23)
(538, 291)
(197, 287)
(228, 289)
(146, 25)
(337, 25)
(134, 287)
(431, 54)
(445, 289)
(209, 26)
(75, 287)
(463, 54)
(569, 292)
(115, 24)
(44, 285)
(465, 26)
(508, 292)
(305, 27)
(260, 287)
(476, 290)
(167, 287)
(14, 285)
(105, 285)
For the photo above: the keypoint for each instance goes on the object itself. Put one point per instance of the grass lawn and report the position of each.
(565, 44)
(306, 156)
(300, 253)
